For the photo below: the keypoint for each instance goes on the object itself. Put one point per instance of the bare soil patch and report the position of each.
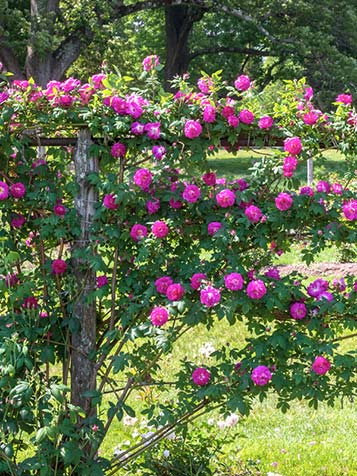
(336, 270)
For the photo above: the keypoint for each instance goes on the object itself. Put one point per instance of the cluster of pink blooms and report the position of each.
(150, 62)
(293, 147)
(16, 190)
(319, 290)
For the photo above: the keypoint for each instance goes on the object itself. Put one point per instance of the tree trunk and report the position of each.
(83, 373)
(179, 21)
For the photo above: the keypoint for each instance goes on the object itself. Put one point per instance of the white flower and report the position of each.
(166, 453)
(232, 419)
(207, 349)
(221, 424)
(129, 421)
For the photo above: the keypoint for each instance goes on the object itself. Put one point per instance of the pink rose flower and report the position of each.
(109, 202)
(58, 266)
(321, 365)
(143, 178)
(138, 232)
(65, 101)
(298, 310)
(289, 166)
(226, 198)
(30, 303)
(158, 151)
(283, 201)
(102, 280)
(3, 97)
(4, 191)
(227, 111)
(256, 289)
(175, 204)
(246, 116)
(150, 62)
(209, 178)
(293, 145)
(118, 150)
(159, 316)
(97, 80)
(350, 210)
(344, 98)
(196, 280)
(59, 210)
(175, 292)
(317, 287)
(18, 190)
(191, 193)
(205, 85)
(201, 376)
(307, 191)
(209, 114)
(161, 284)
(310, 118)
(192, 129)
(242, 83)
(261, 375)
(233, 121)
(234, 281)
(309, 93)
(160, 229)
(137, 128)
(17, 221)
(153, 206)
(152, 130)
(213, 227)
(265, 122)
(253, 213)
(210, 296)
(11, 280)
(323, 187)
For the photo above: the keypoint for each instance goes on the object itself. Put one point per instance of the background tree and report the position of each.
(271, 40)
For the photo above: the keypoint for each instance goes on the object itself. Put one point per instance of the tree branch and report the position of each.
(121, 10)
(227, 49)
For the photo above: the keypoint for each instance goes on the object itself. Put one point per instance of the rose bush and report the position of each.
(169, 246)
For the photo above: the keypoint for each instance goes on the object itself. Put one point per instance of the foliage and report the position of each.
(213, 241)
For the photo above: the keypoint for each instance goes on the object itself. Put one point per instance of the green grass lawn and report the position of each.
(237, 166)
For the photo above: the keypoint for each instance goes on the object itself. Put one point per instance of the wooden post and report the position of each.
(310, 171)
(83, 373)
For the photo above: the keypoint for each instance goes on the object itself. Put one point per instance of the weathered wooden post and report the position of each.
(310, 171)
(83, 342)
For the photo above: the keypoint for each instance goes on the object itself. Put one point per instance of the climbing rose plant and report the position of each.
(166, 246)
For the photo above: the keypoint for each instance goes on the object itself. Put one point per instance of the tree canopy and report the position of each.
(270, 39)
